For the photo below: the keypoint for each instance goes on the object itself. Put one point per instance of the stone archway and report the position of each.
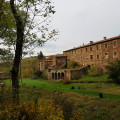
(58, 76)
(55, 76)
(62, 75)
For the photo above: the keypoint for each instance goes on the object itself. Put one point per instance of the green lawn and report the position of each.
(91, 89)
(101, 78)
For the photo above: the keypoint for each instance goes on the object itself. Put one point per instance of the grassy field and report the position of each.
(86, 98)
(109, 90)
(101, 78)
(92, 107)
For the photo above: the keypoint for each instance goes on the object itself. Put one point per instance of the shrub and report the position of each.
(113, 69)
(60, 80)
(38, 74)
(75, 75)
(38, 105)
(72, 64)
(44, 75)
(70, 111)
(28, 73)
(94, 71)
(42, 110)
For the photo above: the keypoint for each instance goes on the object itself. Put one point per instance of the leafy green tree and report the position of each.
(40, 55)
(6, 55)
(94, 70)
(72, 64)
(24, 26)
(113, 69)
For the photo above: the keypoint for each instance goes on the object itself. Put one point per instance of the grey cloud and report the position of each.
(80, 21)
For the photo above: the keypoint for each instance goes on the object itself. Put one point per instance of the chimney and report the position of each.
(104, 38)
(91, 42)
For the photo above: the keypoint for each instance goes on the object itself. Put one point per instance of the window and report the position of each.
(58, 60)
(86, 50)
(106, 45)
(41, 66)
(75, 59)
(63, 60)
(75, 51)
(72, 52)
(90, 48)
(115, 54)
(81, 58)
(91, 57)
(81, 51)
(114, 43)
(97, 56)
(106, 55)
(97, 47)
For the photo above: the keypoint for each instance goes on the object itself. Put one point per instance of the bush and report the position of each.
(40, 74)
(72, 64)
(44, 75)
(75, 75)
(113, 69)
(94, 71)
(42, 110)
(28, 73)
(70, 111)
(38, 105)
(60, 80)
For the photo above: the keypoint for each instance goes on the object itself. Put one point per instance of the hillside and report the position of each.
(28, 67)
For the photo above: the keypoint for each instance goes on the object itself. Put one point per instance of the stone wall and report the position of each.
(98, 53)
(66, 74)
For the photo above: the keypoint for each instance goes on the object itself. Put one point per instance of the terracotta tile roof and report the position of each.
(94, 43)
(60, 55)
(57, 55)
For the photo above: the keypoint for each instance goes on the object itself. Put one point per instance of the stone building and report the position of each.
(65, 74)
(96, 53)
(57, 62)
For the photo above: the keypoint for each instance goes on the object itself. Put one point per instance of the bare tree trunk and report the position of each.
(18, 53)
(1, 12)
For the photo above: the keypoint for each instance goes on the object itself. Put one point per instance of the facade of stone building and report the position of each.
(65, 74)
(57, 62)
(96, 53)
(44, 64)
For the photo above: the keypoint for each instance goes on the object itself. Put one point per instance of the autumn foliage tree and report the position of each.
(24, 26)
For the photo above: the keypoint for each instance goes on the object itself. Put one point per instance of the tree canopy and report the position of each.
(35, 16)
(24, 25)
(113, 69)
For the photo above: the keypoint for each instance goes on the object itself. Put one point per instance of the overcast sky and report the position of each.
(81, 21)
